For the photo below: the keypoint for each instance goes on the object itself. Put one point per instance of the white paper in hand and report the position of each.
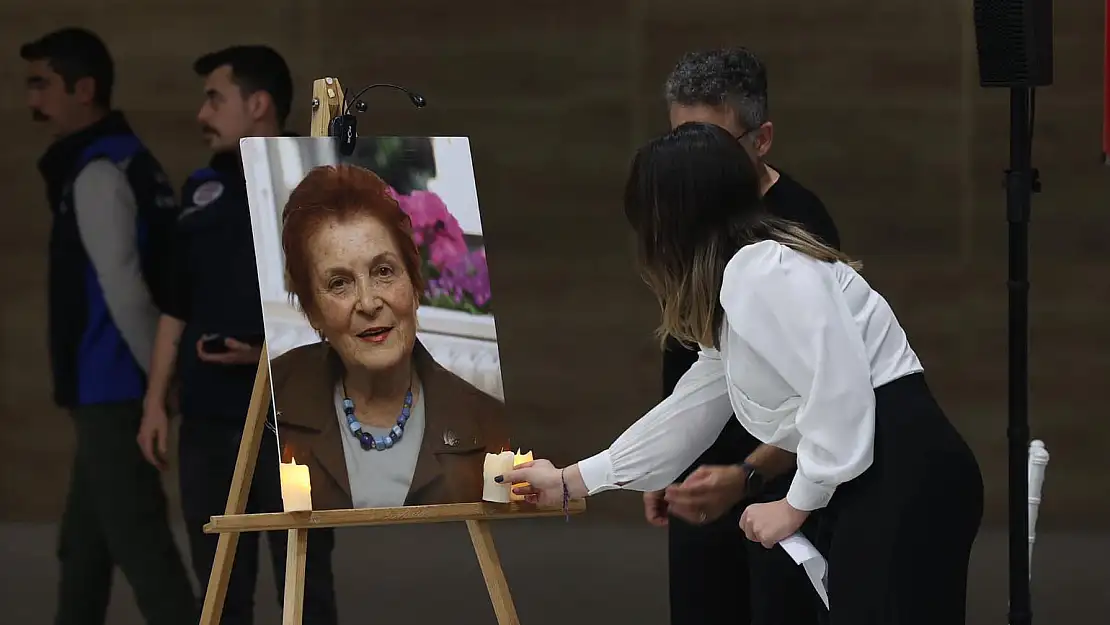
(805, 554)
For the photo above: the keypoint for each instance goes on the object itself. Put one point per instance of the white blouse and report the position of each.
(802, 348)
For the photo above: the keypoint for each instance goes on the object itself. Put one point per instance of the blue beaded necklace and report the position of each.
(366, 440)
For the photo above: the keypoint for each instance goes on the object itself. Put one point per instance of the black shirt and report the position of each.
(217, 288)
(789, 200)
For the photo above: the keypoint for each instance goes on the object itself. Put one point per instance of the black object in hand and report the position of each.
(215, 345)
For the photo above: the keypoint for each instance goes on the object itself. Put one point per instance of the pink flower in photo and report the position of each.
(433, 225)
(445, 250)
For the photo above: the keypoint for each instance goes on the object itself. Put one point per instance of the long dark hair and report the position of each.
(693, 199)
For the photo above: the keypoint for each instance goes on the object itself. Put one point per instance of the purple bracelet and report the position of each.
(566, 495)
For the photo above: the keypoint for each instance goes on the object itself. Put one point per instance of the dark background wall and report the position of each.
(877, 108)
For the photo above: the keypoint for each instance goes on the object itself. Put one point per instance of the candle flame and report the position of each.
(519, 458)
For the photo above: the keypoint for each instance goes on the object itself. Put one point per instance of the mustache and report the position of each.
(39, 116)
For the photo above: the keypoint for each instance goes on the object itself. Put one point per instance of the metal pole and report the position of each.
(1021, 181)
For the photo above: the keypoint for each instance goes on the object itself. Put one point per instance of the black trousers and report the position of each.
(719, 577)
(116, 515)
(899, 536)
(208, 449)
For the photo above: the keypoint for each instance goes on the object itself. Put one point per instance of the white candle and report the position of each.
(496, 464)
(1038, 462)
(519, 459)
(296, 488)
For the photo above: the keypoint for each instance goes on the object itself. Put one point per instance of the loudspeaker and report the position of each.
(1014, 41)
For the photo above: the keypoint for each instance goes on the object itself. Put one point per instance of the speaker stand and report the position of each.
(1021, 182)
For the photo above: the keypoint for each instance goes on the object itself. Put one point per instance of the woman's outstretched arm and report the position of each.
(653, 451)
(657, 448)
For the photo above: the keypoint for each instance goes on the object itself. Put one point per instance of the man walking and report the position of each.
(711, 562)
(113, 212)
(212, 334)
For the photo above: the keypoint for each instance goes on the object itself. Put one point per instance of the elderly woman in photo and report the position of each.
(377, 421)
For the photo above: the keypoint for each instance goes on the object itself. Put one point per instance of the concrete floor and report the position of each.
(585, 573)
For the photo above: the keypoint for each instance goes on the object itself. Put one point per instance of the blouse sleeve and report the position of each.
(788, 309)
(655, 450)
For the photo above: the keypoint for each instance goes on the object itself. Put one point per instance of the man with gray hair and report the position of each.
(710, 560)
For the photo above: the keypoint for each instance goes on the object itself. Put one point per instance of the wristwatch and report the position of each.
(755, 479)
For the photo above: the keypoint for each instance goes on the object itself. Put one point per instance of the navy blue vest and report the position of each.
(91, 361)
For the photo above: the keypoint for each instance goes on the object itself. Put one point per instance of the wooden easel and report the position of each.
(327, 100)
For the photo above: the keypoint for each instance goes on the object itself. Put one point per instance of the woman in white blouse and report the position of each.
(810, 359)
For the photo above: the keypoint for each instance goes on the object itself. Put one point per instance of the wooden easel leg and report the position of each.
(295, 557)
(217, 581)
(237, 497)
(496, 584)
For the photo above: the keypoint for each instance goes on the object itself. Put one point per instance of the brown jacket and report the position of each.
(461, 424)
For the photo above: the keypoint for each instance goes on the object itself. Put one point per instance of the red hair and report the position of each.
(339, 193)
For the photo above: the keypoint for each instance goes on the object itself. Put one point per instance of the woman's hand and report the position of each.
(768, 523)
(544, 482)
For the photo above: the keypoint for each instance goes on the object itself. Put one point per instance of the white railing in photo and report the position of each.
(465, 345)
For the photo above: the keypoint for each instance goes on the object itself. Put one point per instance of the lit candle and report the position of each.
(496, 464)
(518, 460)
(296, 488)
